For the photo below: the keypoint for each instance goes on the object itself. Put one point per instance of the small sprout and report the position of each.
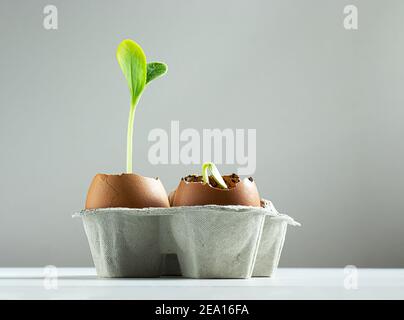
(209, 166)
(138, 74)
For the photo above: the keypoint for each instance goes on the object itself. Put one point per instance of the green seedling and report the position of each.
(138, 74)
(209, 166)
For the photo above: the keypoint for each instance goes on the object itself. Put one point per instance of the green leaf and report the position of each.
(132, 61)
(210, 166)
(155, 70)
(138, 73)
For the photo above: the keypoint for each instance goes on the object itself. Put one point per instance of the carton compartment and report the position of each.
(196, 242)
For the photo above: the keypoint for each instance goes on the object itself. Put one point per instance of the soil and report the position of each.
(231, 180)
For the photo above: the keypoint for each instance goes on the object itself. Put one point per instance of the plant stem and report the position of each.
(129, 142)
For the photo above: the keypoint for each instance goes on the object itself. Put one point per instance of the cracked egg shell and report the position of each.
(244, 193)
(126, 191)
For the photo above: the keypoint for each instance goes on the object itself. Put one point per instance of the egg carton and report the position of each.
(196, 242)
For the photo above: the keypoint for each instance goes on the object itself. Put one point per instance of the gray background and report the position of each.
(326, 103)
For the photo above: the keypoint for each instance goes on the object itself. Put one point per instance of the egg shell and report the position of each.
(126, 191)
(245, 193)
(171, 197)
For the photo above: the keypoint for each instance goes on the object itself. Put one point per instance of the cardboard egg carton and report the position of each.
(196, 242)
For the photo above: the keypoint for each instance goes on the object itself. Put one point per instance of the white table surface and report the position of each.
(82, 283)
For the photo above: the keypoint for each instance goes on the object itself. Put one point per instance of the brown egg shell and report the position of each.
(171, 197)
(245, 193)
(126, 191)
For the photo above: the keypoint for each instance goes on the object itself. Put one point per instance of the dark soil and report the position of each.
(231, 180)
